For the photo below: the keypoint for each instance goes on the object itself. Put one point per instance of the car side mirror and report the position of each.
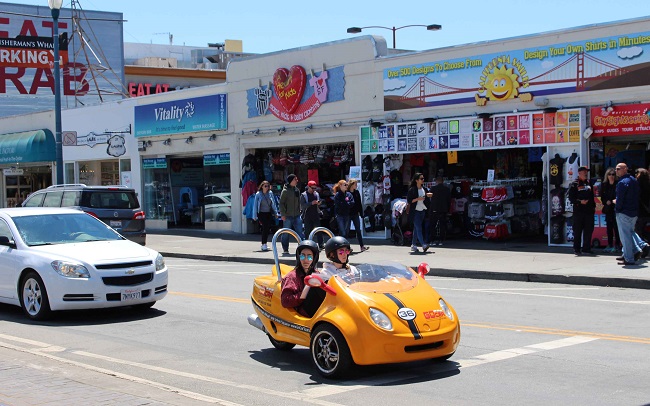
(316, 281)
(423, 269)
(4, 240)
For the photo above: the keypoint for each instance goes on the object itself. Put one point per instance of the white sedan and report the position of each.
(63, 259)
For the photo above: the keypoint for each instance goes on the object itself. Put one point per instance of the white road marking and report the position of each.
(131, 378)
(310, 395)
(329, 390)
(509, 292)
(529, 349)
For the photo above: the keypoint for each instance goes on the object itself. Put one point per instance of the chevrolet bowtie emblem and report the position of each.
(130, 272)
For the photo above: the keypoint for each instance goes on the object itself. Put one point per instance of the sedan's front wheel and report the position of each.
(33, 297)
(330, 352)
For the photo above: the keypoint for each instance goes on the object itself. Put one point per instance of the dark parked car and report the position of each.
(117, 206)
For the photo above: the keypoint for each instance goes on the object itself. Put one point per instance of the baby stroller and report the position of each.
(400, 222)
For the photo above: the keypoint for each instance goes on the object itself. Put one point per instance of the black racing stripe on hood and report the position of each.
(411, 323)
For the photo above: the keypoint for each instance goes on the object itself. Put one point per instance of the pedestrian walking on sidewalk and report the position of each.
(581, 195)
(607, 196)
(265, 211)
(416, 197)
(343, 202)
(290, 211)
(627, 211)
(356, 211)
(310, 209)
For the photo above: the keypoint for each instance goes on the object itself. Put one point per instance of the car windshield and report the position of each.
(385, 278)
(63, 229)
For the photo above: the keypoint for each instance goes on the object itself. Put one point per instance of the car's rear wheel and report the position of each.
(330, 352)
(33, 297)
(222, 217)
(280, 345)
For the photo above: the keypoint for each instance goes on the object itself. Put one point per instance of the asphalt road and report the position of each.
(522, 343)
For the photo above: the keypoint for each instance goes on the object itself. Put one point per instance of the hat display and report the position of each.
(583, 168)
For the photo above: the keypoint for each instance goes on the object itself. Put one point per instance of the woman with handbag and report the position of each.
(264, 211)
(356, 211)
(343, 202)
(607, 196)
(417, 199)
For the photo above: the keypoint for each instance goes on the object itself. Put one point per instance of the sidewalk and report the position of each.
(477, 259)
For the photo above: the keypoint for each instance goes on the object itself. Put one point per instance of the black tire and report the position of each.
(222, 217)
(444, 358)
(33, 297)
(595, 243)
(280, 345)
(330, 352)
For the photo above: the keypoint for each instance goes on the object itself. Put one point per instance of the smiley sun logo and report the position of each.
(502, 84)
(502, 80)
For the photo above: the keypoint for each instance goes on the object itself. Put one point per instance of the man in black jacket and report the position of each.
(581, 195)
(438, 209)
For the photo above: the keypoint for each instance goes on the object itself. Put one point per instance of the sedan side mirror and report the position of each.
(4, 240)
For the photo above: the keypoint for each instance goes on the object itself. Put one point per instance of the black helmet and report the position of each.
(334, 244)
(310, 245)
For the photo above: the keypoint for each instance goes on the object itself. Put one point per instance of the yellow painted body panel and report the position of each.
(430, 334)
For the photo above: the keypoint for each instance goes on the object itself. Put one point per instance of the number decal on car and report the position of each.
(406, 314)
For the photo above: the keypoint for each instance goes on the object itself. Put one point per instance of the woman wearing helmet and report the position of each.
(337, 250)
(294, 282)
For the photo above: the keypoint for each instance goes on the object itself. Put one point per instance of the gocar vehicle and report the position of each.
(62, 259)
(116, 206)
(374, 314)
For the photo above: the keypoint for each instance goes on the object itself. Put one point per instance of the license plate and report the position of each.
(131, 294)
(116, 223)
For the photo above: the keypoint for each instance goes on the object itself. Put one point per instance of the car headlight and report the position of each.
(70, 269)
(446, 309)
(380, 319)
(160, 263)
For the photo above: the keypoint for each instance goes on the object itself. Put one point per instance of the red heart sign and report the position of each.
(289, 86)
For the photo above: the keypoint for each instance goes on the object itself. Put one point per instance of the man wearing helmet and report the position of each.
(293, 283)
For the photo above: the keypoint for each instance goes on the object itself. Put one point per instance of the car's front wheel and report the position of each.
(280, 345)
(33, 297)
(330, 352)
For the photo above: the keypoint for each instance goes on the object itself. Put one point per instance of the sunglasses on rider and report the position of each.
(309, 257)
(343, 251)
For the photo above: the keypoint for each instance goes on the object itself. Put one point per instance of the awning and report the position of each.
(28, 146)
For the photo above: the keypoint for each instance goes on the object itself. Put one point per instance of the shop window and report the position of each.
(217, 194)
(157, 194)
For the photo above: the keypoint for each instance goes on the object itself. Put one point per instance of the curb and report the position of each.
(458, 273)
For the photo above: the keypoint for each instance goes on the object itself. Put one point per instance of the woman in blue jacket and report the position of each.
(265, 211)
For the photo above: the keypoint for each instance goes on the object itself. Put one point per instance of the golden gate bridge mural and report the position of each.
(585, 70)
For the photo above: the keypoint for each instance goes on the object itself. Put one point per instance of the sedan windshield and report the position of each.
(63, 229)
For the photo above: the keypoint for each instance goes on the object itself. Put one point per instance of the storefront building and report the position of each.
(512, 116)
(506, 123)
(185, 150)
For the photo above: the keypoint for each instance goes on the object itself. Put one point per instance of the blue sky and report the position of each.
(268, 26)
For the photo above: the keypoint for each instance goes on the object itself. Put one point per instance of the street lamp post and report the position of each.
(55, 7)
(430, 27)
